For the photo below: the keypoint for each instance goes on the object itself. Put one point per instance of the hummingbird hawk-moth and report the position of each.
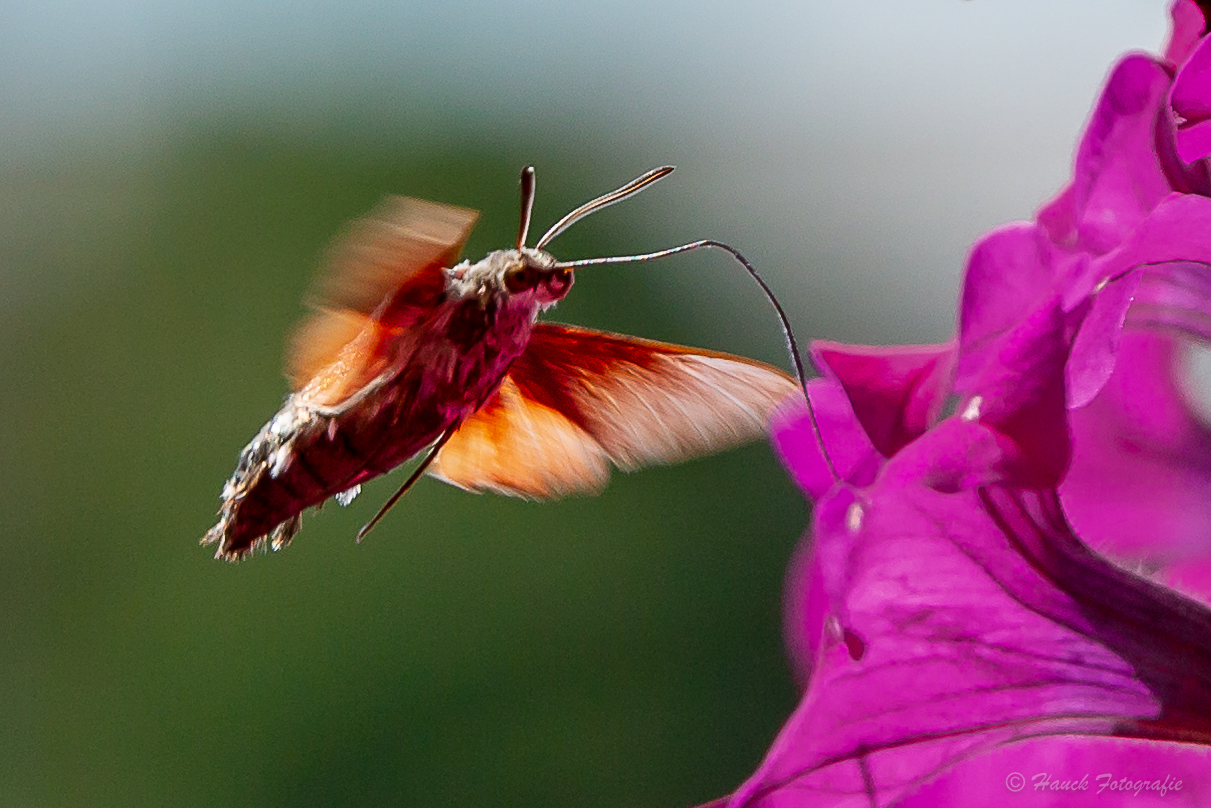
(410, 351)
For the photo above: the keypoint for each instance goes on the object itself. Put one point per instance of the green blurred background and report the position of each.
(170, 174)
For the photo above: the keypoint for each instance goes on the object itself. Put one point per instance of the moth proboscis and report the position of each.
(410, 351)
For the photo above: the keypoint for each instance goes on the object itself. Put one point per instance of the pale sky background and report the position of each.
(861, 146)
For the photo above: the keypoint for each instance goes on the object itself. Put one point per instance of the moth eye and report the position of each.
(521, 279)
(559, 281)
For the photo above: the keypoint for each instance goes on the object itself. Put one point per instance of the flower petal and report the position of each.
(1188, 28)
(896, 392)
(1009, 273)
(982, 620)
(1095, 348)
(1175, 231)
(1139, 485)
(850, 453)
(1160, 277)
(1015, 382)
(806, 608)
(1118, 177)
(1191, 101)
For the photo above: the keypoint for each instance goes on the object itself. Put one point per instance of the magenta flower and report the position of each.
(959, 611)
(952, 610)
(1126, 247)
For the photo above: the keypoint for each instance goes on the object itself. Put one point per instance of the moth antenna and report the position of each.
(604, 201)
(527, 204)
(792, 344)
(411, 481)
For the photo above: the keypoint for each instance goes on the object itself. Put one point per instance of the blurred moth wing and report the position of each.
(577, 401)
(381, 275)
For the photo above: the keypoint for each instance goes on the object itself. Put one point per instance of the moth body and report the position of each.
(441, 369)
(411, 350)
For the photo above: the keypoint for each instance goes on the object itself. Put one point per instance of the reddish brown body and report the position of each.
(456, 357)
(407, 351)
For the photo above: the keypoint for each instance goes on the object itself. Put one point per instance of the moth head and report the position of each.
(529, 271)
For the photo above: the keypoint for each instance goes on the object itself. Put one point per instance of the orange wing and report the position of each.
(382, 274)
(578, 400)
